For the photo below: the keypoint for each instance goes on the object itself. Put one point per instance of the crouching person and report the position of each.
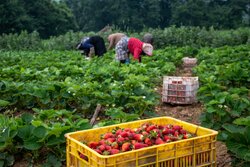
(92, 46)
(134, 46)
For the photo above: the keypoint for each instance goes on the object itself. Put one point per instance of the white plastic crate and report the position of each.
(189, 62)
(180, 90)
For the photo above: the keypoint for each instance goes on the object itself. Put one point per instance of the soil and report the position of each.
(191, 113)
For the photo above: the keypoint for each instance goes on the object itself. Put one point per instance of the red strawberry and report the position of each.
(160, 127)
(128, 130)
(114, 151)
(171, 131)
(107, 147)
(110, 140)
(145, 126)
(126, 139)
(159, 141)
(99, 151)
(102, 147)
(93, 144)
(144, 133)
(118, 132)
(148, 141)
(133, 142)
(138, 130)
(126, 146)
(151, 127)
(120, 139)
(186, 136)
(107, 135)
(177, 127)
(131, 135)
(102, 142)
(166, 131)
(83, 156)
(139, 145)
(115, 145)
(176, 133)
(182, 131)
(173, 138)
(124, 134)
(166, 138)
(138, 137)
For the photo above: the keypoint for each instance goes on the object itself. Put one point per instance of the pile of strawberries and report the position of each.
(122, 140)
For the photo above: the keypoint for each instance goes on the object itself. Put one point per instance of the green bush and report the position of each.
(170, 36)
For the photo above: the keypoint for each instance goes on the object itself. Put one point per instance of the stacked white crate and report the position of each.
(180, 90)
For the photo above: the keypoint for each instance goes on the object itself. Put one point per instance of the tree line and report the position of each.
(55, 17)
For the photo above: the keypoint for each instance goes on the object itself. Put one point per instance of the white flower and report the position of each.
(144, 97)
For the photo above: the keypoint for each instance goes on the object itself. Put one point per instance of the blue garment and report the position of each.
(127, 61)
(86, 44)
(95, 41)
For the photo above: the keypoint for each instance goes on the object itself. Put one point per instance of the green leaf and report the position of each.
(247, 134)
(82, 121)
(211, 110)
(52, 160)
(27, 117)
(5, 134)
(242, 121)
(25, 132)
(40, 132)
(57, 129)
(53, 140)
(4, 103)
(32, 144)
(37, 123)
(233, 128)
(241, 151)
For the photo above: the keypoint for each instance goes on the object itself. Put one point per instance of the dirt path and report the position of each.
(191, 113)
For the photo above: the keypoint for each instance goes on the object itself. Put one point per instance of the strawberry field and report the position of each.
(45, 94)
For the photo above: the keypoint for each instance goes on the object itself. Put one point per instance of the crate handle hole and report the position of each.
(82, 156)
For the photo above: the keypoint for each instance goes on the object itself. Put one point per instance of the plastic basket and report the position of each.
(180, 90)
(196, 151)
(189, 62)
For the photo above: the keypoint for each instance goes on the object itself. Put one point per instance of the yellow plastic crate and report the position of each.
(199, 151)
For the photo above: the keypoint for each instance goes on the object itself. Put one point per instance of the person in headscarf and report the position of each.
(134, 46)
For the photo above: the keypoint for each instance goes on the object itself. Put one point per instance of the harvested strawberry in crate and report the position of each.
(162, 141)
(148, 134)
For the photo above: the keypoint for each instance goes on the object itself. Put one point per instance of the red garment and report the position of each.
(135, 47)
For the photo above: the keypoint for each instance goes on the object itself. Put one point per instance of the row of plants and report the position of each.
(225, 91)
(169, 36)
(65, 80)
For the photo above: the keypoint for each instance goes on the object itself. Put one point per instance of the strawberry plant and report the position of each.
(224, 75)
